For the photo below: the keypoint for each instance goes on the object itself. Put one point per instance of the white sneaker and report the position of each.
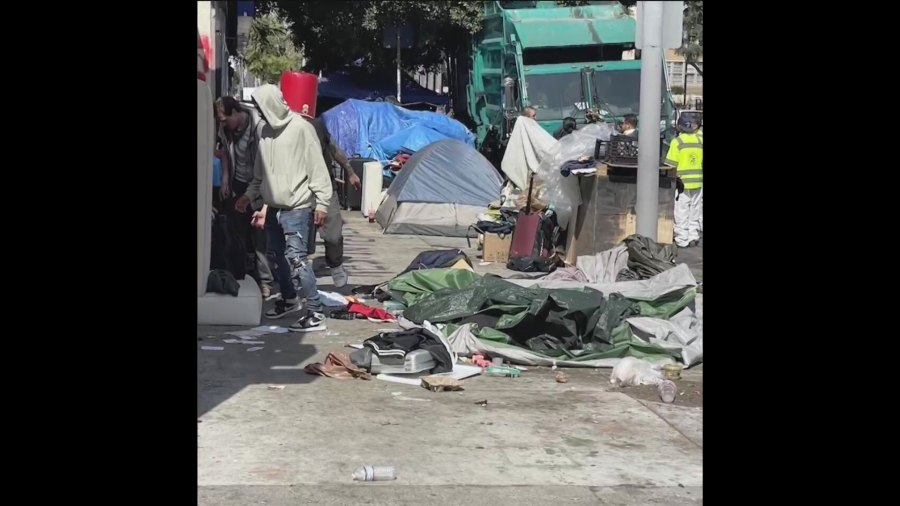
(339, 276)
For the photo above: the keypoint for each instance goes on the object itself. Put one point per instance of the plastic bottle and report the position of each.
(666, 391)
(374, 473)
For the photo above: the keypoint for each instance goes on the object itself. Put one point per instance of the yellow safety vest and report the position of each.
(699, 133)
(686, 155)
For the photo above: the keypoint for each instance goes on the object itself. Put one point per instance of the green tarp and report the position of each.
(577, 324)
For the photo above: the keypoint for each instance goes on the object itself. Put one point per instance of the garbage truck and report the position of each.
(577, 62)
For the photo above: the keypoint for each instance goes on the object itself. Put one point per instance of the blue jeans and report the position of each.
(287, 237)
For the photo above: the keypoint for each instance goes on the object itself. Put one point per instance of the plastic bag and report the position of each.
(632, 371)
(564, 192)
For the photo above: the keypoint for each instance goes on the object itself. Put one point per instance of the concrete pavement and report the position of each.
(582, 442)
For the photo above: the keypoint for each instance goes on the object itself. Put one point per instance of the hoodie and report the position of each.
(289, 170)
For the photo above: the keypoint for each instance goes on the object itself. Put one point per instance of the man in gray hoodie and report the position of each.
(291, 176)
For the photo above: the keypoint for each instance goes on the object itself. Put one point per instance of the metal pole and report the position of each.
(398, 66)
(647, 207)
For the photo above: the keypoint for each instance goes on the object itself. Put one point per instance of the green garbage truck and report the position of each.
(564, 61)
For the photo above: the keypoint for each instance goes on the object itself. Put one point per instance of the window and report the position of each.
(676, 73)
(619, 91)
(554, 95)
(693, 77)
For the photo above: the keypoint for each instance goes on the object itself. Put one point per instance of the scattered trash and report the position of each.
(247, 334)
(672, 371)
(255, 348)
(441, 384)
(483, 403)
(212, 348)
(634, 371)
(277, 351)
(554, 366)
(484, 263)
(562, 377)
(253, 342)
(275, 387)
(199, 338)
(232, 341)
(498, 361)
(480, 361)
(680, 393)
(509, 372)
(329, 333)
(666, 391)
(271, 329)
(374, 473)
(403, 398)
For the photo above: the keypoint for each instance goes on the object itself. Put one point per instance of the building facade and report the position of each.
(684, 76)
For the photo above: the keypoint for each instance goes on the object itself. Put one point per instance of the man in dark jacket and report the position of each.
(332, 230)
(239, 134)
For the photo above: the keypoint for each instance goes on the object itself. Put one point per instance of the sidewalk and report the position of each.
(536, 441)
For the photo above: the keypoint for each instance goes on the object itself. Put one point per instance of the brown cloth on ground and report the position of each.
(337, 365)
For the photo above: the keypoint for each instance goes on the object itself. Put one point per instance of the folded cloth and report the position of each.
(337, 365)
(372, 313)
(570, 165)
(398, 344)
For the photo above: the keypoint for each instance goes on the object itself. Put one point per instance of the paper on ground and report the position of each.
(271, 329)
(460, 372)
(247, 334)
(255, 348)
(212, 348)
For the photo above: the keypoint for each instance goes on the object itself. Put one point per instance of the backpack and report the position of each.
(228, 251)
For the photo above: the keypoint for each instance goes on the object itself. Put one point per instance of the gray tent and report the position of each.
(440, 191)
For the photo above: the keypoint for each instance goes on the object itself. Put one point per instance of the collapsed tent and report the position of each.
(440, 191)
(537, 322)
(359, 128)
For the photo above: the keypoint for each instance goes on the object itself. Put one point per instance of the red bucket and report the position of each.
(300, 90)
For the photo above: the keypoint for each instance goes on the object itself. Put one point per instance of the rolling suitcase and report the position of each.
(530, 248)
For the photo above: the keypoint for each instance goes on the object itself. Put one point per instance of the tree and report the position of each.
(692, 49)
(270, 48)
(335, 33)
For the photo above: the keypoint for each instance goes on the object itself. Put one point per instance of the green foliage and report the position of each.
(334, 33)
(692, 50)
(270, 48)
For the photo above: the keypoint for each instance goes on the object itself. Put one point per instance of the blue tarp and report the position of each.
(342, 85)
(378, 129)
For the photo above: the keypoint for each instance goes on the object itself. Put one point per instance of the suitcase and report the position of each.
(351, 198)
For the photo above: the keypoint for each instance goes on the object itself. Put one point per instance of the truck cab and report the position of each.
(577, 62)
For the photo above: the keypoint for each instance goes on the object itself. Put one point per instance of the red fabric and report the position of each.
(369, 312)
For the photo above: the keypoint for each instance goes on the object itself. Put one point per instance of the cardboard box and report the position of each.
(496, 249)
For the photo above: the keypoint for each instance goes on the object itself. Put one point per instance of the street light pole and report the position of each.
(647, 208)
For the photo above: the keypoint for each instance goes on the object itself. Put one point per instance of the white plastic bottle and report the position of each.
(666, 390)
(374, 473)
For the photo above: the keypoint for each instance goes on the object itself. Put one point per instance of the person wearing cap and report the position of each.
(686, 155)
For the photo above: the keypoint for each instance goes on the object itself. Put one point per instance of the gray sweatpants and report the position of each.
(332, 234)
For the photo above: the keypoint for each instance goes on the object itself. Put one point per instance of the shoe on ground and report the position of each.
(693, 244)
(313, 322)
(339, 275)
(283, 307)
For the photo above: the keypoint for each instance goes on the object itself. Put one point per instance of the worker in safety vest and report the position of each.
(686, 155)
